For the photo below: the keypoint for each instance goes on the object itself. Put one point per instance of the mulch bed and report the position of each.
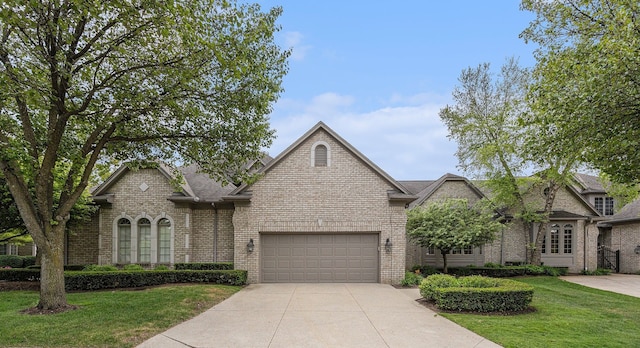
(24, 286)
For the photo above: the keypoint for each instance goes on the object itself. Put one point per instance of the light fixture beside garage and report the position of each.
(387, 245)
(250, 245)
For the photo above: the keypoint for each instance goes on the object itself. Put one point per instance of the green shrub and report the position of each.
(20, 275)
(28, 261)
(86, 280)
(204, 266)
(534, 270)
(411, 279)
(161, 268)
(429, 284)
(100, 268)
(132, 267)
(598, 271)
(509, 295)
(13, 261)
(424, 270)
(492, 265)
(477, 281)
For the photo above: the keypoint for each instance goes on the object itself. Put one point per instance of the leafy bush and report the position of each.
(12, 261)
(204, 266)
(161, 268)
(86, 280)
(534, 270)
(132, 267)
(411, 279)
(429, 284)
(476, 281)
(100, 268)
(492, 265)
(28, 261)
(424, 270)
(509, 295)
(20, 275)
(598, 271)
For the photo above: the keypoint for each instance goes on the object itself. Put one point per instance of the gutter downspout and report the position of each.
(586, 242)
(215, 232)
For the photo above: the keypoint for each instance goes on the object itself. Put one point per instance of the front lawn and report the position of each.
(568, 315)
(105, 318)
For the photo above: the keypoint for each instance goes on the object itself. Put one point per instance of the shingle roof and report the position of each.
(589, 183)
(428, 190)
(630, 212)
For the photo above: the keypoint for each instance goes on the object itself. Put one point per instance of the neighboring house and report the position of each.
(621, 234)
(319, 212)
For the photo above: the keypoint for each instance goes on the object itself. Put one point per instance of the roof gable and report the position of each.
(401, 193)
(429, 190)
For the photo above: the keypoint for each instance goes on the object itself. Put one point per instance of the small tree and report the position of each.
(452, 224)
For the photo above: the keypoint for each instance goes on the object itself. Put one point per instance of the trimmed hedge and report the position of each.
(476, 293)
(20, 275)
(84, 280)
(507, 297)
(203, 266)
(12, 261)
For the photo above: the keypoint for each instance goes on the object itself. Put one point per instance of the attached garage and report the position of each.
(320, 258)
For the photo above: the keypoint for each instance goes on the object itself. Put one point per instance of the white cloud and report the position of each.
(293, 40)
(407, 141)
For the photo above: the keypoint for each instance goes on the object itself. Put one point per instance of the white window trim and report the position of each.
(313, 152)
(134, 237)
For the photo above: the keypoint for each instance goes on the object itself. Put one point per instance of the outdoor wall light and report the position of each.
(637, 249)
(250, 245)
(388, 245)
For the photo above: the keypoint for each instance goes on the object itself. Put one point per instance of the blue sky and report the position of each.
(378, 72)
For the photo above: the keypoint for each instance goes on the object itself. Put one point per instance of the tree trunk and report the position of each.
(536, 253)
(445, 270)
(52, 292)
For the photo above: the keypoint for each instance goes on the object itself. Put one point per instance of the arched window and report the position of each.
(320, 154)
(320, 158)
(164, 241)
(568, 239)
(124, 241)
(144, 240)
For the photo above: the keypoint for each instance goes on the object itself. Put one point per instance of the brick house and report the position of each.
(319, 212)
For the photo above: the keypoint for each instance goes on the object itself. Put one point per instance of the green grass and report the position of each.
(568, 315)
(105, 318)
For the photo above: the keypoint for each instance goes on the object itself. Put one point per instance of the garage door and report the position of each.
(319, 258)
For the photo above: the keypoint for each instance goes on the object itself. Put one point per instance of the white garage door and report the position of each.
(319, 258)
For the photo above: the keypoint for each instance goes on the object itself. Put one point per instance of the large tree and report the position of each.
(452, 224)
(84, 82)
(497, 144)
(586, 83)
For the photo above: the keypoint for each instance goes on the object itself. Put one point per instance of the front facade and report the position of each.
(319, 212)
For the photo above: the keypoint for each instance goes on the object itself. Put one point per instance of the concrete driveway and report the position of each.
(319, 315)
(628, 284)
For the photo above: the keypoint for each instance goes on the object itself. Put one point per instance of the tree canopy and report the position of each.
(452, 224)
(85, 82)
(585, 84)
(499, 144)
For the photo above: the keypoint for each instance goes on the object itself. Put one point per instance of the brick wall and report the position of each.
(626, 237)
(82, 243)
(346, 196)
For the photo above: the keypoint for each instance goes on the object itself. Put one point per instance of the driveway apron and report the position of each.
(319, 315)
(627, 284)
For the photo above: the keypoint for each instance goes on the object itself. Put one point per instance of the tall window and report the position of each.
(320, 158)
(604, 205)
(144, 240)
(555, 239)
(568, 239)
(124, 241)
(164, 241)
